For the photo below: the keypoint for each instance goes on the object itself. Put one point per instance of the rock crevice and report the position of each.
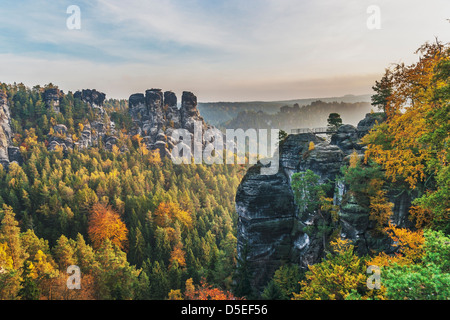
(8, 152)
(156, 114)
(269, 223)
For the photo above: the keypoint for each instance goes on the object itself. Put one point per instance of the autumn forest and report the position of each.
(140, 227)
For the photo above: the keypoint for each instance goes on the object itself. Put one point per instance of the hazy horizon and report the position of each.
(229, 51)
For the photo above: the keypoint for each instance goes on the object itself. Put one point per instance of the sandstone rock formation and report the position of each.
(156, 114)
(94, 98)
(347, 139)
(8, 152)
(5, 129)
(270, 225)
(52, 97)
(60, 138)
(369, 121)
(98, 131)
(269, 221)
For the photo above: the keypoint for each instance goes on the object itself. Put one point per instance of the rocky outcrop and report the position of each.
(266, 214)
(8, 152)
(52, 98)
(5, 129)
(189, 112)
(156, 114)
(371, 119)
(99, 131)
(347, 139)
(272, 228)
(94, 98)
(270, 224)
(60, 138)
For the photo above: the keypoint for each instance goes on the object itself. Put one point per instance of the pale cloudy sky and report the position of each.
(230, 50)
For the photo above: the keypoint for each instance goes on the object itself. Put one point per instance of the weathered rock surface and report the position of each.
(347, 139)
(52, 98)
(60, 138)
(5, 130)
(155, 115)
(274, 230)
(269, 222)
(99, 131)
(266, 215)
(94, 98)
(369, 121)
(8, 152)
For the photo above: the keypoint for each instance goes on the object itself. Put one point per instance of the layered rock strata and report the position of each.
(98, 131)
(52, 98)
(270, 226)
(156, 114)
(8, 152)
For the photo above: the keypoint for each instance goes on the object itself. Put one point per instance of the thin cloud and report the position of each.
(225, 49)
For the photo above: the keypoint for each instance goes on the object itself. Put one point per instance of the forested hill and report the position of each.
(77, 189)
(294, 117)
(80, 187)
(217, 113)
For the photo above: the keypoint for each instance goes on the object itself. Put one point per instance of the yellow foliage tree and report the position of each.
(175, 295)
(167, 213)
(410, 244)
(104, 224)
(337, 277)
(396, 144)
(177, 255)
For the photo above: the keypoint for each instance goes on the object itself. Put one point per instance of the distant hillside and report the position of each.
(294, 117)
(217, 113)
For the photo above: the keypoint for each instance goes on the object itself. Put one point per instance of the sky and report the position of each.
(230, 50)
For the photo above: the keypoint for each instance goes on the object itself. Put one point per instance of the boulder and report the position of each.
(347, 139)
(366, 124)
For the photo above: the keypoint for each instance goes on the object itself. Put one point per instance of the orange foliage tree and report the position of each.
(206, 292)
(104, 224)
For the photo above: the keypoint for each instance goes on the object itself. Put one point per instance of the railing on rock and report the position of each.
(325, 130)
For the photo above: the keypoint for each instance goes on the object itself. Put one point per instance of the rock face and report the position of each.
(266, 214)
(369, 121)
(5, 129)
(270, 224)
(51, 98)
(269, 221)
(8, 153)
(155, 115)
(60, 138)
(94, 98)
(347, 139)
(99, 130)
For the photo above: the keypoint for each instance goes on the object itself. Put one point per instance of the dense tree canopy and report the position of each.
(140, 227)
